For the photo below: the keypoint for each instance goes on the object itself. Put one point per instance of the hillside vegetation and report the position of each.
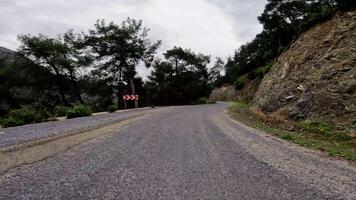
(301, 66)
(52, 76)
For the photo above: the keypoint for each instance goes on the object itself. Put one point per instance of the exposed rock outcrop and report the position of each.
(229, 93)
(224, 93)
(316, 77)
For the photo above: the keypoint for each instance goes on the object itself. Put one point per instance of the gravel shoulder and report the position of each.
(336, 178)
(32, 132)
(42, 150)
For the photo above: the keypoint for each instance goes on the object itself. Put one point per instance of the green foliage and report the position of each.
(79, 111)
(210, 102)
(118, 49)
(215, 77)
(61, 111)
(309, 125)
(112, 108)
(202, 100)
(22, 83)
(239, 84)
(251, 75)
(23, 116)
(339, 144)
(239, 105)
(283, 22)
(324, 128)
(287, 136)
(262, 71)
(59, 56)
(182, 78)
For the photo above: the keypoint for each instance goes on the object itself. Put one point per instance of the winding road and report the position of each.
(181, 152)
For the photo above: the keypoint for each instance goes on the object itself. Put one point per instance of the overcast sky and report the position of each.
(213, 27)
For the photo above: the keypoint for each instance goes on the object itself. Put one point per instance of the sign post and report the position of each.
(129, 98)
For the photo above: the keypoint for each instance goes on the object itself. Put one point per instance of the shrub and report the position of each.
(78, 111)
(326, 128)
(239, 84)
(309, 125)
(112, 108)
(61, 111)
(251, 75)
(262, 71)
(202, 100)
(23, 116)
(287, 136)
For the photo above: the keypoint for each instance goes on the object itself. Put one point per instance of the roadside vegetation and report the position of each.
(76, 74)
(316, 135)
(55, 76)
(78, 111)
(25, 115)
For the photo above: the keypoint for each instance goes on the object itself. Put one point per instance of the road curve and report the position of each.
(186, 152)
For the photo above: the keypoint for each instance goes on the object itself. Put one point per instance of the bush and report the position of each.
(202, 100)
(262, 71)
(251, 75)
(61, 111)
(326, 129)
(309, 125)
(23, 116)
(78, 111)
(239, 84)
(112, 108)
(287, 136)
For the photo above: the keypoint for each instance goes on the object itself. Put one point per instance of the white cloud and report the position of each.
(214, 27)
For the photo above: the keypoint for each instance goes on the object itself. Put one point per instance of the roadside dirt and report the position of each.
(40, 150)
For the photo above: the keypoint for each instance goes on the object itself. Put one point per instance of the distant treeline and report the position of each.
(283, 21)
(96, 69)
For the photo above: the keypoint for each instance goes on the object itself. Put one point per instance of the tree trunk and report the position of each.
(59, 81)
(133, 91)
(119, 96)
(76, 89)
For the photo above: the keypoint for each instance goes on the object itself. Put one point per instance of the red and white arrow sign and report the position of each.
(130, 97)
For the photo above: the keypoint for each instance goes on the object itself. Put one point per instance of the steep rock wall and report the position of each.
(316, 77)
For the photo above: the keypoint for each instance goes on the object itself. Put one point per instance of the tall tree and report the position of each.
(181, 78)
(215, 73)
(118, 49)
(56, 55)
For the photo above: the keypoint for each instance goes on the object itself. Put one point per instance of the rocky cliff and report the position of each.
(229, 93)
(316, 77)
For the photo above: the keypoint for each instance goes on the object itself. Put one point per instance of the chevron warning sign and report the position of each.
(130, 97)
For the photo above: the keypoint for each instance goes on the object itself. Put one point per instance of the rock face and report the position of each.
(229, 93)
(7, 54)
(224, 93)
(316, 77)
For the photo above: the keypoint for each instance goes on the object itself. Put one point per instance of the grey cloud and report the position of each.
(244, 15)
(214, 27)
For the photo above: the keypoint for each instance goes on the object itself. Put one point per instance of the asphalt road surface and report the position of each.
(184, 152)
